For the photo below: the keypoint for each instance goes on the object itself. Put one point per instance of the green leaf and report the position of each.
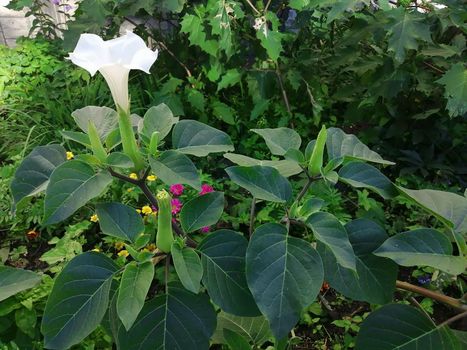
(78, 301)
(400, 326)
(26, 321)
(285, 167)
(173, 167)
(455, 86)
(119, 220)
(76, 136)
(188, 267)
(446, 206)
(105, 119)
(33, 174)
(119, 160)
(176, 320)
(71, 186)
(363, 175)
(220, 23)
(405, 29)
(202, 211)
(284, 274)
(223, 112)
(223, 260)
(193, 25)
(423, 247)
(270, 38)
(134, 287)
(280, 140)
(262, 181)
(330, 232)
(196, 99)
(235, 340)
(13, 281)
(255, 329)
(375, 280)
(339, 144)
(230, 78)
(340, 7)
(158, 118)
(198, 139)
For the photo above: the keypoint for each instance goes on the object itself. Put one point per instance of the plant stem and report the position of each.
(456, 303)
(284, 93)
(167, 267)
(252, 215)
(453, 319)
(253, 7)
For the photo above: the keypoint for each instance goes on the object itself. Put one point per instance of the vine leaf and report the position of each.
(455, 85)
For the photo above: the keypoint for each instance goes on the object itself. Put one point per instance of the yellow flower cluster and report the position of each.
(133, 176)
(69, 155)
(94, 218)
(146, 210)
(152, 178)
(123, 253)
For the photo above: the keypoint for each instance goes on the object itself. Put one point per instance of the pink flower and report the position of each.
(177, 189)
(205, 188)
(205, 229)
(176, 206)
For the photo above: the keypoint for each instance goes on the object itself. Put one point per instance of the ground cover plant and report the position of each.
(180, 279)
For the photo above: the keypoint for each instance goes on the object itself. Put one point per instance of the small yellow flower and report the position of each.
(129, 190)
(69, 155)
(94, 218)
(97, 250)
(138, 211)
(119, 245)
(146, 210)
(133, 176)
(151, 247)
(123, 253)
(152, 178)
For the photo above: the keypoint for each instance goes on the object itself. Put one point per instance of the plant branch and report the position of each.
(167, 267)
(453, 319)
(267, 6)
(436, 69)
(284, 93)
(253, 7)
(456, 303)
(306, 187)
(252, 215)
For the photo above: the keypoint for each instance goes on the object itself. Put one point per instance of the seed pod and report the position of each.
(316, 159)
(154, 142)
(96, 144)
(165, 235)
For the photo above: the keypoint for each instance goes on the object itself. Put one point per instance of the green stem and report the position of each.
(130, 148)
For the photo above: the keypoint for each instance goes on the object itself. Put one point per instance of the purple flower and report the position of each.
(205, 229)
(424, 279)
(176, 206)
(55, 2)
(177, 189)
(68, 8)
(205, 188)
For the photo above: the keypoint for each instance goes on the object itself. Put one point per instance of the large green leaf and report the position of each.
(447, 206)
(178, 320)
(33, 174)
(375, 279)
(13, 281)
(423, 247)
(330, 232)
(105, 119)
(134, 287)
(285, 167)
(173, 167)
(202, 211)
(455, 85)
(284, 274)
(363, 175)
(255, 329)
(71, 186)
(235, 340)
(280, 140)
(405, 30)
(158, 118)
(188, 267)
(198, 139)
(223, 260)
(262, 181)
(400, 326)
(78, 301)
(119, 220)
(339, 144)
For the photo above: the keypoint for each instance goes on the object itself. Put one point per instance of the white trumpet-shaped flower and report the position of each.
(114, 59)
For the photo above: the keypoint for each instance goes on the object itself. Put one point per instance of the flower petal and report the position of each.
(91, 53)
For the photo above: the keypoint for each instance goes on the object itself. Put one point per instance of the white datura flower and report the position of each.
(4, 3)
(114, 59)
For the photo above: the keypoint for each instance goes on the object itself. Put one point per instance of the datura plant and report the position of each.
(228, 287)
